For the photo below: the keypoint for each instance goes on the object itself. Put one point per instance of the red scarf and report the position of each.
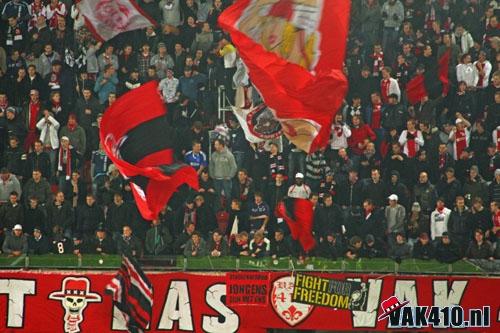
(412, 145)
(480, 67)
(385, 84)
(378, 63)
(72, 127)
(376, 116)
(460, 142)
(498, 139)
(66, 151)
(338, 130)
(440, 210)
(34, 109)
(442, 160)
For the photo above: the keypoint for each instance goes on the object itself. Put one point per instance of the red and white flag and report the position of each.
(108, 18)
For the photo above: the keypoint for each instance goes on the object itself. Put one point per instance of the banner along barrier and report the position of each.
(59, 301)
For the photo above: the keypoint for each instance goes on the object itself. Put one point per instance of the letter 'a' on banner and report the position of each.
(107, 18)
(294, 51)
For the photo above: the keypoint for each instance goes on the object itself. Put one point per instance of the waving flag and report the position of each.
(108, 18)
(132, 294)
(298, 215)
(137, 138)
(294, 51)
(432, 83)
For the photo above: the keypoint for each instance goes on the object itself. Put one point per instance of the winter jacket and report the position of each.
(459, 226)
(48, 128)
(14, 243)
(38, 246)
(421, 251)
(8, 186)
(77, 138)
(476, 251)
(10, 215)
(201, 252)
(158, 240)
(426, 196)
(358, 135)
(447, 253)
(61, 215)
(41, 190)
(222, 165)
(395, 218)
(400, 251)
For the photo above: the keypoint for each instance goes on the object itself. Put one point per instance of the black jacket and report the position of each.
(421, 251)
(331, 250)
(38, 161)
(105, 245)
(280, 249)
(10, 215)
(88, 218)
(38, 247)
(447, 253)
(327, 219)
(60, 215)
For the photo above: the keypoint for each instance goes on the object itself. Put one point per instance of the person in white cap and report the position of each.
(395, 216)
(460, 136)
(16, 243)
(299, 190)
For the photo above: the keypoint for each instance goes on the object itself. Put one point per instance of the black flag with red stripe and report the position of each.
(132, 294)
(432, 83)
(138, 139)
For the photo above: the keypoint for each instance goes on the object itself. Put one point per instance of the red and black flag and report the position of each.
(434, 82)
(132, 294)
(136, 136)
(298, 215)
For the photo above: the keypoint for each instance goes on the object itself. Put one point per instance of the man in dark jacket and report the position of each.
(181, 239)
(16, 243)
(400, 249)
(119, 215)
(449, 187)
(331, 247)
(425, 194)
(372, 248)
(37, 187)
(60, 213)
(33, 216)
(38, 243)
(158, 239)
(101, 243)
(11, 213)
(375, 189)
(280, 247)
(129, 243)
(327, 218)
(89, 216)
(394, 115)
(395, 186)
(479, 248)
(38, 160)
(459, 226)
(423, 249)
(446, 250)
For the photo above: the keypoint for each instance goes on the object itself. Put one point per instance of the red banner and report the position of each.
(68, 301)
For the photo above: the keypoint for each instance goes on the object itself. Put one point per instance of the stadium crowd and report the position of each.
(396, 180)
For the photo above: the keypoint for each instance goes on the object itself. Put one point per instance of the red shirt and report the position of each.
(376, 116)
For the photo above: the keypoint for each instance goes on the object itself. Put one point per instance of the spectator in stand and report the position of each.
(48, 127)
(217, 245)
(60, 244)
(106, 83)
(16, 242)
(222, 169)
(446, 250)
(14, 157)
(449, 187)
(119, 215)
(299, 190)
(475, 186)
(37, 187)
(67, 161)
(60, 212)
(388, 86)
(354, 248)
(89, 216)
(280, 246)
(411, 139)
(479, 248)
(158, 239)
(340, 134)
(38, 160)
(460, 136)
(425, 194)
(331, 247)
(400, 249)
(316, 169)
(11, 213)
(480, 217)
(423, 249)
(361, 134)
(196, 158)
(372, 248)
(195, 246)
(182, 238)
(240, 245)
(205, 218)
(459, 227)
(100, 243)
(34, 215)
(259, 214)
(494, 187)
(128, 243)
(395, 218)
(38, 243)
(439, 220)
(375, 189)
(259, 246)
(243, 188)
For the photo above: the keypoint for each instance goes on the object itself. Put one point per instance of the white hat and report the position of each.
(64, 138)
(299, 175)
(393, 197)
(458, 121)
(18, 227)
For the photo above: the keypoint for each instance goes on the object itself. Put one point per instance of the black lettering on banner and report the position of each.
(338, 294)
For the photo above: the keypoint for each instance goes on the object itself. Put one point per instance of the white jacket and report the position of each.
(467, 73)
(439, 222)
(52, 126)
(487, 72)
(337, 142)
(465, 42)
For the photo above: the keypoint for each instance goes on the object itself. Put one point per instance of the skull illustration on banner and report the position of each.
(74, 296)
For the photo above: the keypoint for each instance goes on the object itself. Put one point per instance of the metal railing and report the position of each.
(180, 263)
